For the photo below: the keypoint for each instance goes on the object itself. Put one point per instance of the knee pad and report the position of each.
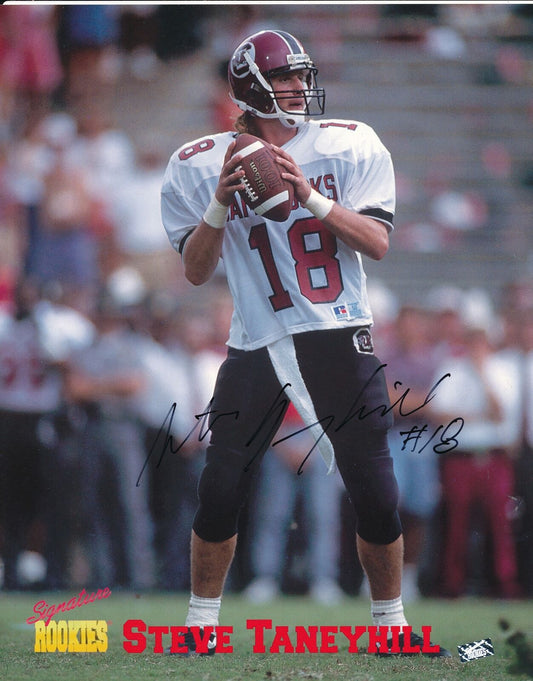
(373, 490)
(223, 489)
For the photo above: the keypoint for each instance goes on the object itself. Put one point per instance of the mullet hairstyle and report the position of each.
(246, 123)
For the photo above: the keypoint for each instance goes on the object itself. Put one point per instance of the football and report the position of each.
(266, 192)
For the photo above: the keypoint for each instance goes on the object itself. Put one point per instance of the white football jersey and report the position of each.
(293, 276)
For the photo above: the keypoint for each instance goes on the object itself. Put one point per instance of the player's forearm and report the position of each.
(361, 233)
(201, 253)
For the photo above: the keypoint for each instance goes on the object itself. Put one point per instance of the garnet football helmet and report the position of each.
(264, 55)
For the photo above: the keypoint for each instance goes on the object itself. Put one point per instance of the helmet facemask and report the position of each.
(314, 97)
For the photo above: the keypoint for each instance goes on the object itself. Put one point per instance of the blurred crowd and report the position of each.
(79, 196)
(459, 368)
(103, 425)
(108, 361)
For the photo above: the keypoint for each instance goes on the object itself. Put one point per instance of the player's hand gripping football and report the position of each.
(230, 180)
(293, 173)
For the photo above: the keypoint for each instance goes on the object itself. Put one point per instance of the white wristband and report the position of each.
(318, 205)
(215, 214)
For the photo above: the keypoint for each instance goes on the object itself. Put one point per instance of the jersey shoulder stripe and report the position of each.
(379, 214)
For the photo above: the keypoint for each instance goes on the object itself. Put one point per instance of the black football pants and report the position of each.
(348, 391)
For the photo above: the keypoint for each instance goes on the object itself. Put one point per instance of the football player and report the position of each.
(301, 328)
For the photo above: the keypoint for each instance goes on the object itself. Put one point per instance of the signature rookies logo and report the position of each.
(72, 636)
(69, 636)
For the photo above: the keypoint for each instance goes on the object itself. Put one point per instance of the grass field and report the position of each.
(452, 623)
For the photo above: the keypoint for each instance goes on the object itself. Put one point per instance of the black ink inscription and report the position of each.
(205, 420)
(360, 410)
(416, 436)
(447, 439)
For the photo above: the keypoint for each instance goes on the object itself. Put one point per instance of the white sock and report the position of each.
(203, 611)
(388, 613)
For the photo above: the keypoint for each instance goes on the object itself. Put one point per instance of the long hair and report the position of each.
(246, 123)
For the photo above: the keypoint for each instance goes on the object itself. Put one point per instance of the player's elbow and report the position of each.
(381, 252)
(379, 247)
(375, 238)
(196, 277)
(201, 254)
(199, 272)
(197, 269)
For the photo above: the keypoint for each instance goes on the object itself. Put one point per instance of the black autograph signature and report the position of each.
(273, 417)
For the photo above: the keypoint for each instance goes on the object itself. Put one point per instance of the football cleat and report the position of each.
(190, 643)
(414, 647)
